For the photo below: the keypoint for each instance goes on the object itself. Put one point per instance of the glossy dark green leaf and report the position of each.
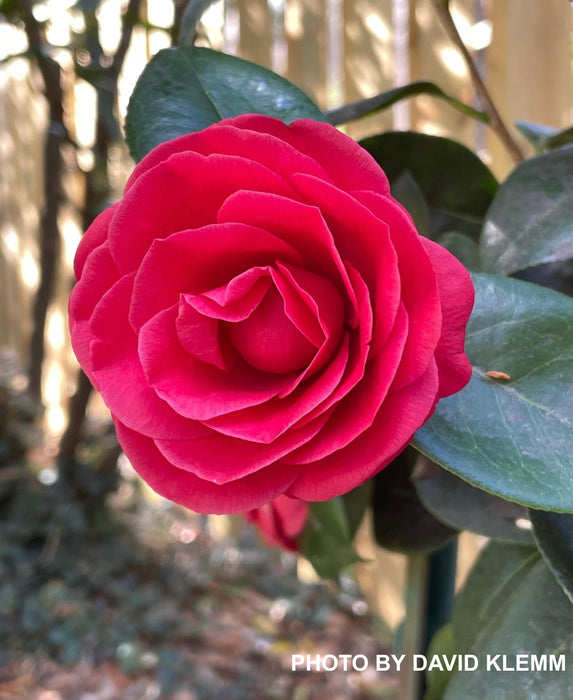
(494, 580)
(463, 507)
(326, 540)
(531, 218)
(531, 621)
(456, 185)
(512, 437)
(554, 535)
(401, 522)
(384, 100)
(465, 249)
(407, 191)
(355, 504)
(187, 89)
(443, 642)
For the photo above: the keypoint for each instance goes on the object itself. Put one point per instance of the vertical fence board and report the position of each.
(368, 46)
(255, 31)
(529, 66)
(305, 25)
(433, 57)
(22, 127)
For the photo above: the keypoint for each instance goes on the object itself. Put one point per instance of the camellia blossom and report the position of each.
(281, 521)
(262, 318)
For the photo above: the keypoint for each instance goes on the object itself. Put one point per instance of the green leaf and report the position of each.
(456, 185)
(378, 103)
(531, 618)
(554, 535)
(494, 579)
(443, 642)
(326, 540)
(531, 218)
(407, 191)
(401, 522)
(463, 507)
(465, 249)
(512, 438)
(186, 89)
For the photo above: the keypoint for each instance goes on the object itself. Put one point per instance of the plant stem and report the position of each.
(489, 107)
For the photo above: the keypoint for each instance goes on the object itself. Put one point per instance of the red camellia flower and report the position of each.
(281, 521)
(262, 318)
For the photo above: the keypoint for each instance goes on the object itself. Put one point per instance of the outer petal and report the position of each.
(403, 413)
(184, 192)
(419, 288)
(223, 459)
(93, 238)
(457, 299)
(99, 273)
(190, 491)
(228, 138)
(349, 165)
(118, 373)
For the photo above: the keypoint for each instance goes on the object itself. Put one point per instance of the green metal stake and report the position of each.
(414, 624)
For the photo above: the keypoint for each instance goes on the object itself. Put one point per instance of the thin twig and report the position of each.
(53, 166)
(497, 123)
(96, 191)
(77, 412)
(128, 23)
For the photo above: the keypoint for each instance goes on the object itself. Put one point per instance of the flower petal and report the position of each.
(99, 273)
(357, 412)
(404, 412)
(362, 240)
(201, 495)
(95, 236)
(228, 138)
(118, 373)
(198, 260)
(194, 187)
(193, 388)
(457, 299)
(349, 165)
(223, 459)
(301, 226)
(419, 288)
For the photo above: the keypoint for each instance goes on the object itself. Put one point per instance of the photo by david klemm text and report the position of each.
(420, 662)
